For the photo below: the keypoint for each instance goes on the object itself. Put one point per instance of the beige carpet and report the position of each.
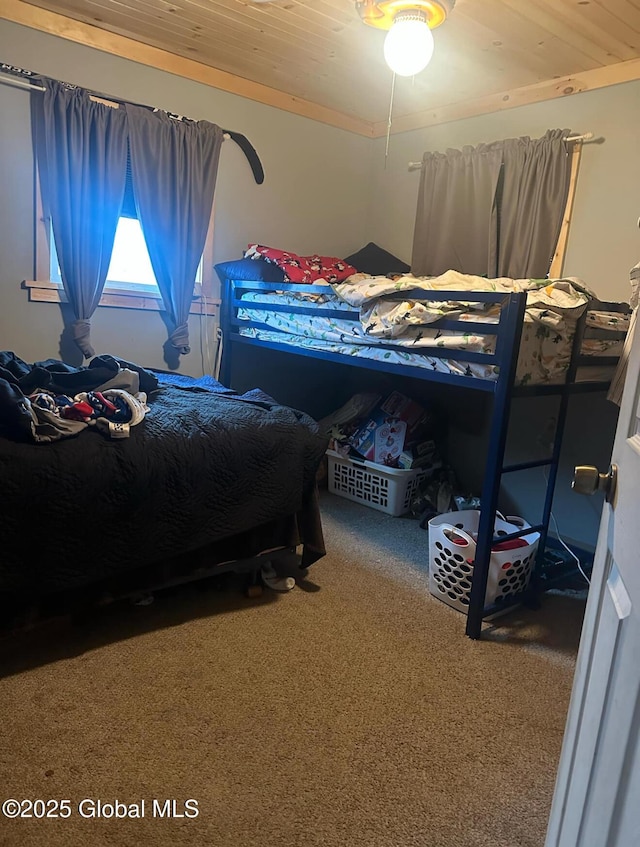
(352, 711)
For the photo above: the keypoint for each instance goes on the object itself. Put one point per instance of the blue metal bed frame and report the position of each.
(508, 332)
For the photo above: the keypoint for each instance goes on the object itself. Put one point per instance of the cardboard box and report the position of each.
(381, 439)
(413, 414)
(396, 433)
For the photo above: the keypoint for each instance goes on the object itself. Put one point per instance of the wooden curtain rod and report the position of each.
(587, 136)
(29, 81)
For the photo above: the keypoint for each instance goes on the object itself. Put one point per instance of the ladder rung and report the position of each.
(523, 466)
(500, 538)
(515, 600)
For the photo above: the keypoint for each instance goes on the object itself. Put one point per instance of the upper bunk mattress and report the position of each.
(371, 320)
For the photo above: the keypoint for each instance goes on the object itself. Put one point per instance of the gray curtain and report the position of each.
(492, 210)
(456, 217)
(174, 165)
(534, 195)
(82, 158)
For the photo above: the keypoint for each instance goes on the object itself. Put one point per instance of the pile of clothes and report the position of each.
(50, 400)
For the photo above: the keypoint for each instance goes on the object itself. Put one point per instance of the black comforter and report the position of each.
(202, 466)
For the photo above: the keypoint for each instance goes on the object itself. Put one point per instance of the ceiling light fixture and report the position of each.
(408, 47)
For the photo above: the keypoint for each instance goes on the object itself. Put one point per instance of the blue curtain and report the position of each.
(174, 165)
(81, 148)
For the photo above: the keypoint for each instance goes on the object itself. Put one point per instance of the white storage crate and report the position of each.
(452, 551)
(389, 490)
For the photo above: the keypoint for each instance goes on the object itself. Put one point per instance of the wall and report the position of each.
(604, 243)
(314, 197)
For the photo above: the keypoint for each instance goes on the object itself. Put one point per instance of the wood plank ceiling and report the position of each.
(492, 53)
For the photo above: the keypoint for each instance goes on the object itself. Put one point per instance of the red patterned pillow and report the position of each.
(305, 269)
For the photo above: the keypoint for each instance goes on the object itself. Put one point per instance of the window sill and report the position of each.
(51, 292)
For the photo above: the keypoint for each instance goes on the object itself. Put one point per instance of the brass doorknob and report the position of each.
(587, 479)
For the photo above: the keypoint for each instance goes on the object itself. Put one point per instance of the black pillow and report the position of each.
(377, 262)
(250, 269)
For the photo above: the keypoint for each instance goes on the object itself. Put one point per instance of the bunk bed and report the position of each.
(293, 318)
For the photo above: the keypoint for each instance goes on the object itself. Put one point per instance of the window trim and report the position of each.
(206, 296)
(557, 263)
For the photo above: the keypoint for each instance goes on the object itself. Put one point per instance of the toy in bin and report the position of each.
(452, 551)
(388, 441)
(388, 429)
(380, 439)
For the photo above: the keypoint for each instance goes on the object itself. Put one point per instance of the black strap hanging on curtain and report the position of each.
(250, 152)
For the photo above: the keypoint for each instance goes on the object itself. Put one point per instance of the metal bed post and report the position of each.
(225, 331)
(508, 346)
(558, 437)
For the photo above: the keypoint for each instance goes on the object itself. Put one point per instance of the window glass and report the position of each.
(130, 266)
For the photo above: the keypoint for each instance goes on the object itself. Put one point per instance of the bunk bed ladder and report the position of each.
(557, 440)
(495, 466)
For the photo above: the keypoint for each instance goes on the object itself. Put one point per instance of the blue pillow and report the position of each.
(251, 270)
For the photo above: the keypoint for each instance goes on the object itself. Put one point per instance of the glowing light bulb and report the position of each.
(408, 47)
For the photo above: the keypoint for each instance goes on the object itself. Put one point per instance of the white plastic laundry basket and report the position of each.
(452, 550)
(389, 490)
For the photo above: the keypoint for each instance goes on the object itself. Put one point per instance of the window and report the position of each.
(131, 283)
(130, 268)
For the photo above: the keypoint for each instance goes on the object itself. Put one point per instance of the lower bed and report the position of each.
(206, 471)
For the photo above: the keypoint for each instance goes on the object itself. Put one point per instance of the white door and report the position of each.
(597, 795)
